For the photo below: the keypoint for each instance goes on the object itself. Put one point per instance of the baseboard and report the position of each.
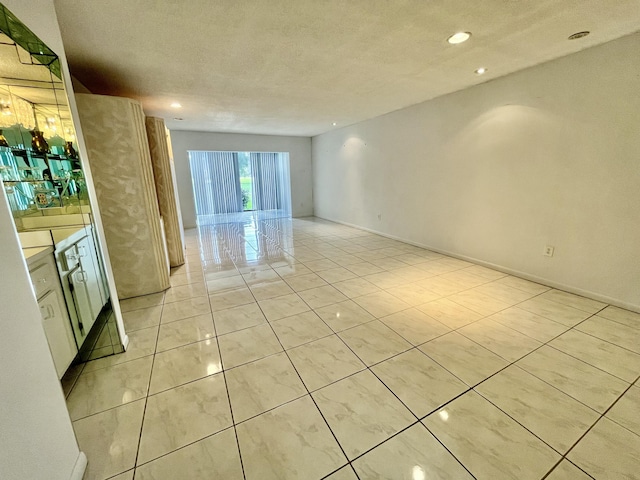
(516, 273)
(79, 467)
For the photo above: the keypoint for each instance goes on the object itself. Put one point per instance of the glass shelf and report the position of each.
(41, 184)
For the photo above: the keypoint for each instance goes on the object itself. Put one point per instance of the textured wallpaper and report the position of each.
(116, 139)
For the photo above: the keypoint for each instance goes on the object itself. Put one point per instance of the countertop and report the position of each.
(58, 237)
(34, 254)
(60, 234)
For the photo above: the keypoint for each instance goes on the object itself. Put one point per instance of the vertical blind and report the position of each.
(270, 181)
(216, 182)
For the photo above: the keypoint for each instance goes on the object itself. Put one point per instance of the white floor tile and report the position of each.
(419, 366)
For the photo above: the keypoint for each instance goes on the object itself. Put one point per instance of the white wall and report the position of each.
(546, 156)
(299, 149)
(37, 440)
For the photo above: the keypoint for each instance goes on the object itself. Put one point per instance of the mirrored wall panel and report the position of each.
(45, 186)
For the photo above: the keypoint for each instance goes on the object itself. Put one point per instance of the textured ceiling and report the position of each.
(294, 67)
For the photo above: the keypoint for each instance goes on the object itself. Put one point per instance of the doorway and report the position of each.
(228, 186)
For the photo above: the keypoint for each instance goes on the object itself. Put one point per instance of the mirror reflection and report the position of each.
(40, 168)
(44, 184)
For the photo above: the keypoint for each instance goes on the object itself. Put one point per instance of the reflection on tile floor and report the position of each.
(303, 349)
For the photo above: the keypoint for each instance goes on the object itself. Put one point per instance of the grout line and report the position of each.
(585, 361)
(304, 385)
(515, 420)
(226, 386)
(233, 423)
(146, 397)
(564, 456)
(181, 448)
(310, 241)
(605, 340)
(419, 420)
(368, 367)
(348, 466)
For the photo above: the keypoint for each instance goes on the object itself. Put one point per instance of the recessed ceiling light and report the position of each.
(481, 71)
(459, 37)
(176, 105)
(334, 124)
(578, 35)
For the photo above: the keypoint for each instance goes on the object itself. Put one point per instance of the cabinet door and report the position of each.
(78, 280)
(104, 287)
(43, 277)
(58, 331)
(92, 275)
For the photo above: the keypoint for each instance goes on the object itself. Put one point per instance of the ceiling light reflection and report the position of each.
(417, 473)
(444, 415)
(459, 37)
(116, 449)
(128, 396)
(213, 368)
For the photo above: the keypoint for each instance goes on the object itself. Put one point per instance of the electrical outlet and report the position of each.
(548, 251)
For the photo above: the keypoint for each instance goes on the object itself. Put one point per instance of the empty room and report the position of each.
(320, 240)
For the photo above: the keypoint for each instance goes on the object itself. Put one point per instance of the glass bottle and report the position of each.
(38, 143)
(3, 141)
(69, 151)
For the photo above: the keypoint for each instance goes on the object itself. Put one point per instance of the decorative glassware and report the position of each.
(38, 143)
(69, 151)
(3, 141)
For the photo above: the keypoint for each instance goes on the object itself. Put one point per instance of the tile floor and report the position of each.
(303, 349)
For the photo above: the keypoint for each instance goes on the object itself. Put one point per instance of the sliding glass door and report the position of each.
(235, 182)
(246, 181)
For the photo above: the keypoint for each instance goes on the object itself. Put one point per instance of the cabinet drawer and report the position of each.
(44, 277)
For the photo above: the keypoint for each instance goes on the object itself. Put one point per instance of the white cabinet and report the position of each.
(92, 274)
(104, 287)
(55, 318)
(58, 331)
(79, 269)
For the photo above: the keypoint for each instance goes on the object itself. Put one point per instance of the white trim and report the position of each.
(527, 276)
(125, 341)
(79, 467)
(101, 246)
